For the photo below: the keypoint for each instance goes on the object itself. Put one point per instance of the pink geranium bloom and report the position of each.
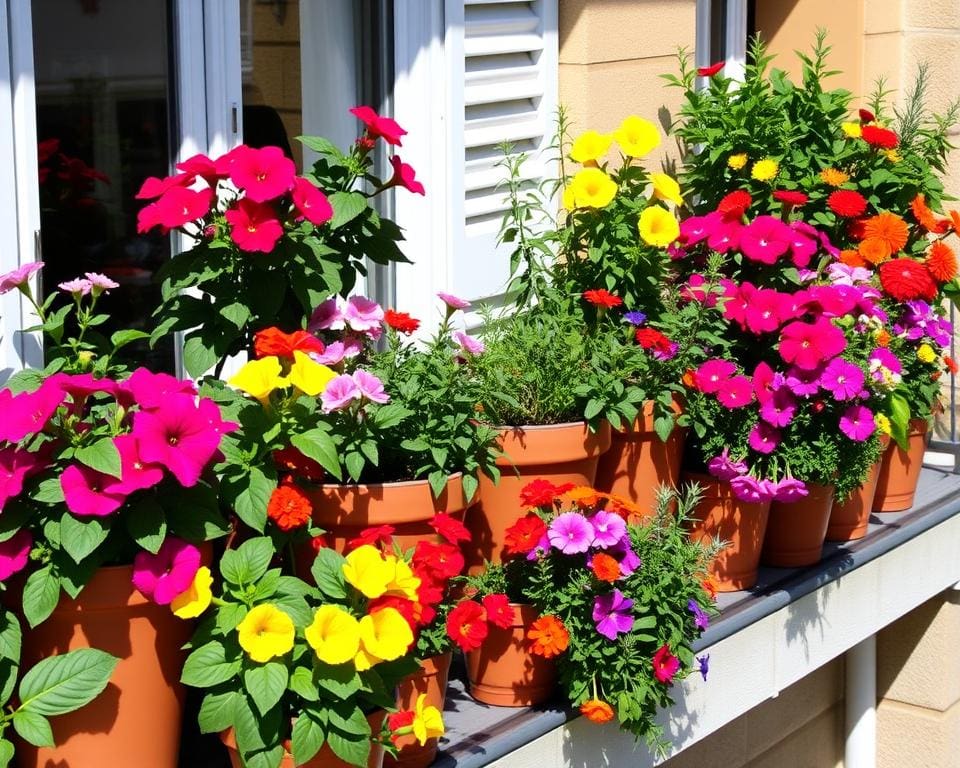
(469, 343)
(807, 345)
(779, 410)
(789, 490)
(19, 277)
(328, 316)
(28, 413)
(842, 378)
(254, 226)
(378, 126)
(857, 423)
(736, 392)
(844, 274)
(364, 315)
(453, 302)
(135, 474)
(404, 176)
(170, 572)
(310, 202)
(151, 390)
(180, 436)
(713, 374)
(751, 490)
(180, 206)
(764, 438)
(765, 239)
(695, 229)
(85, 492)
(333, 354)
(370, 387)
(154, 187)
(340, 392)
(735, 299)
(762, 312)
(803, 383)
(263, 174)
(15, 553)
(16, 465)
(77, 287)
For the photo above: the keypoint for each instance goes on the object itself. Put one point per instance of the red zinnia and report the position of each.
(650, 338)
(523, 535)
(542, 493)
(499, 611)
(401, 322)
(866, 116)
(379, 126)
(273, 341)
(374, 536)
(449, 528)
(735, 204)
(711, 70)
(790, 197)
(444, 561)
(291, 460)
(254, 226)
(906, 280)
(263, 174)
(289, 507)
(467, 625)
(847, 203)
(880, 138)
(601, 297)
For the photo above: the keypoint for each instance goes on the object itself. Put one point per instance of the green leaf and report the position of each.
(899, 419)
(663, 426)
(265, 684)
(319, 446)
(216, 711)
(208, 666)
(193, 514)
(353, 751)
(126, 336)
(307, 738)
(11, 637)
(346, 207)
(390, 415)
(321, 146)
(48, 492)
(353, 723)
(9, 674)
(64, 683)
(102, 456)
(302, 684)
(355, 462)
(33, 728)
(247, 563)
(342, 680)
(327, 571)
(81, 538)
(147, 524)
(6, 753)
(236, 314)
(40, 595)
(230, 615)
(251, 503)
(198, 357)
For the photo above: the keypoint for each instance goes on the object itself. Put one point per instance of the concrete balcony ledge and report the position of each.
(765, 639)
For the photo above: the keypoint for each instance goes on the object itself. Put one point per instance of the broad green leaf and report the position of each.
(353, 722)
(327, 571)
(899, 419)
(81, 538)
(251, 503)
(9, 673)
(319, 446)
(126, 336)
(248, 562)
(193, 514)
(216, 711)
(102, 456)
(265, 684)
(10, 636)
(321, 146)
(352, 750)
(346, 207)
(147, 524)
(301, 683)
(33, 728)
(48, 491)
(198, 358)
(64, 683)
(307, 738)
(208, 666)
(342, 680)
(40, 595)
(6, 753)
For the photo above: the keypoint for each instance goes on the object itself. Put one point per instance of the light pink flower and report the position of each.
(78, 287)
(328, 316)
(468, 343)
(100, 281)
(364, 315)
(370, 387)
(136, 474)
(85, 492)
(15, 553)
(170, 572)
(453, 302)
(340, 392)
(19, 276)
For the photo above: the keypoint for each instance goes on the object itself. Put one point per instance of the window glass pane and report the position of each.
(103, 122)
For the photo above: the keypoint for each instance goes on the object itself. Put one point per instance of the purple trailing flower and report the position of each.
(703, 665)
(803, 383)
(724, 468)
(789, 489)
(779, 409)
(340, 392)
(541, 548)
(764, 438)
(608, 529)
(634, 318)
(611, 614)
(700, 618)
(842, 378)
(623, 552)
(857, 423)
(748, 488)
(920, 320)
(571, 533)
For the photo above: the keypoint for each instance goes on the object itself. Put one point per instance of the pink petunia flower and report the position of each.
(724, 234)
(764, 382)
(736, 392)
(77, 287)
(807, 345)
(843, 379)
(404, 176)
(28, 413)
(665, 665)
(15, 553)
(163, 576)
(764, 438)
(254, 226)
(803, 383)
(19, 277)
(453, 302)
(150, 390)
(694, 230)
(765, 239)
(154, 187)
(177, 207)
(101, 282)
(735, 299)
(713, 374)
(202, 166)
(881, 360)
(16, 465)
(751, 490)
(85, 492)
(694, 291)
(779, 410)
(571, 533)
(802, 248)
(328, 315)
(378, 126)
(844, 274)
(724, 468)
(370, 387)
(469, 343)
(857, 423)
(340, 392)
(263, 174)
(762, 313)
(310, 202)
(789, 490)
(364, 315)
(135, 474)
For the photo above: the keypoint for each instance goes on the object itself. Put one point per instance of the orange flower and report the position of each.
(584, 496)
(605, 568)
(548, 637)
(926, 218)
(942, 262)
(688, 380)
(882, 338)
(874, 250)
(709, 586)
(597, 711)
(955, 220)
(833, 177)
(951, 364)
(624, 508)
(289, 507)
(888, 227)
(852, 258)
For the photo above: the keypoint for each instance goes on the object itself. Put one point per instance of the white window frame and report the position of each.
(735, 38)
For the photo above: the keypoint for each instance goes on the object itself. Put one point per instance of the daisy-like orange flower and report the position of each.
(548, 637)
(623, 507)
(926, 218)
(874, 250)
(852, 258)
(942, 262)
(597, 711)
(584, 496)
(955, 221)
(605, 567)
(688, 379)
(888, 227)
(882, 338)
(709, 586)
(833, 177)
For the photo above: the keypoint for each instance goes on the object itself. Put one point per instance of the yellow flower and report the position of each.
(590, 146)
(334, 634)
(882, 422)
(893, 155)
(833, 177)
(403, 582)
(193, 602)
(85, 357)
(591, 188)
(658, 227)
(925, 354)
(852, 130)
(666, 188)
(367, 570)
(765, 170)
(636, 136)
(309, 376)
(427, 721)
(259, 378)
(266, 632)
(384, 636)
(736, 162)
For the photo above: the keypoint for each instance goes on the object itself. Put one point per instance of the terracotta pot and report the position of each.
(560, 453)
(796, 530)
(900, 471)
(639, 462)
(325, 758)
(849, 517)
(504, 672)
(345, 510)
(722, 515)
(431, 680)
(136, 720)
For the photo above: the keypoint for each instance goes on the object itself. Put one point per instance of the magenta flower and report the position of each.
(833, 300)
(764, 438)
(310, 202)
(789, 490)
(747, 488)
(803, 383)
(694, 229)
(765, 239)
(453, 302)
(724, 468)
(802, 248)
(151, 390)
(857, 423)
(713, 374)
(629, 560)
(700, 619)
(254, 226)
(608, 529)
(183, 436)
(571, 533)
(15, 553)
(340, 392)
(364, 315)
(762, 312)
(765, 382)
(77, 287)
(19, 277)
(736, 392)
(882, 357)
(85, 492)
(135, 473)
(779, 410)
(100, 282)
(735, 300)
(170, 572)
(404, 176)
(842, 378)
(16, 466)
(694, 291)
(611, 614)
(370, 387)
(724, 234)
(468, 343)
(807, 345)
(327, 316)
(264, 174)
(28, 413)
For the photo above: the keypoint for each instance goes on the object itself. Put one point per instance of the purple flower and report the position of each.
(541, 548)
(327, 317)
(100, 282)
(700, 618)
(340, 392)
(843, 379)
(634, 318)
(19, 276)
(629, 560)
(333, 354)
(779, 409)
(803, 383)
(882, 357)
(764, 438)
(857, 423)
(843, 274)
(78, 287)
(468, 343)
(453, 302)
(789, 489)
(611, 614)
(669, 354)
(571, 533)
(364, 316)
(748, 488)
(370, 387)
(608, 529)
(723, 467)
(703, 665)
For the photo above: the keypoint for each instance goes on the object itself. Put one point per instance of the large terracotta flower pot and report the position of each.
(345, 510)
(639, 462)
(900, 471)
(325, 758)
(849, 517)
(504, 672)
(136, 720)
(560, 453)
(796, 530)
(431, 680)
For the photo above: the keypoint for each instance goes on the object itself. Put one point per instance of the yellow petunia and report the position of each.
(259, 378)
(765, 170)
(367, 570)
(851, 130)
(637, 137)
(404, 583)
(590, 146)
(266, 632)
(384, 636)
(427, 721)
(308, 375)
(833, 177)
(737, 161)
(193, 602)
(925, 354)
(882, 422)
(334, 634)
(589, 188)
(658, 227)
(666, 188)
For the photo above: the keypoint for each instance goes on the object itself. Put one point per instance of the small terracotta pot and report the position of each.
(900, 471)
(504, 672)
(560, 453)
(720, 514)
(639, 462)
(849, 517)
(796, 530)
(136, 720)
(431, 680)
(325, 758)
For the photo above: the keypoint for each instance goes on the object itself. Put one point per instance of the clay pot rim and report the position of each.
(451, 479)
(543, 427)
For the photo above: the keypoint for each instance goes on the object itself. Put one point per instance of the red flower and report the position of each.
(523, 535)
(711, 70)
(856, 229)
(605, 567)
(289, 507)
(431, 589)
(467, 625)
(906, 280)
(401, 322)
(499, 611)
(319, 542)
(254, 226)
(601, 297)
(398, 720)
(291, 460)
(263, 174)
(375, 535)
(153, 187)
(379, 126)
(665, 665)
(650, 338)
(847, 203)
(310, 202)
(542, 493)
(866, 116)
(951, 364)
(273, 341)
(177, 206)
(879, 138)
(443, 561)
(449, 528)
(735, 204)
(404, 176)
(790, 197)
